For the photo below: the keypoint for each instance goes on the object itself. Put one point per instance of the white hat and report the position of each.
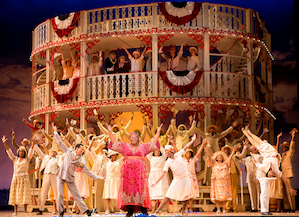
(111, 152)
(136, 51)
(169, 148)
(193, 48)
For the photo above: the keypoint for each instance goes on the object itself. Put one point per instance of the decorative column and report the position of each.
(206, 66)
(250, 70)
(83, 122)
(48, 91)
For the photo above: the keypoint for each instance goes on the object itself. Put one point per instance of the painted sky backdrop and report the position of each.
(19, 17)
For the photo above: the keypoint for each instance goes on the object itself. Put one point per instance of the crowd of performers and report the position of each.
(137, 61)
(136, 173)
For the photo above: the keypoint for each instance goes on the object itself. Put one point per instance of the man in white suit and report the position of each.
(49, 166)
(65, 174)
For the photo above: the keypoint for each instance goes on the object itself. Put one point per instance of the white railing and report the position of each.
(227, 17)
(141, 17)
(39, 97)
(40, 35)
(120, 86)
(146, 85)
(229, 85)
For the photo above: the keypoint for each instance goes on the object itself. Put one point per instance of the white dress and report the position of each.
(81, 180)
(180, 187)
(157, 163)
(191, 169)
(112, 179)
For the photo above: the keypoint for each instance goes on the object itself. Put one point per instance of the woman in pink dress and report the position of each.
(133, 192)
(221, 190)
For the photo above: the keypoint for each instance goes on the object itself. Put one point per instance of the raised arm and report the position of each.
(190, 143)
(143, 133)
(13, 136)
(157, 135)
(292, 143)
(149, 132)
(192, 128)
(102, 128)
(123, 47)
(232, 154)
(4, 140)
(173, 126)
(144, 50)
(277, 141)
(204, 143)
(228, 130)
(208, 152)
(47, 136)
(39, 152)
(59, 142)
(244, 151)
(111, 136)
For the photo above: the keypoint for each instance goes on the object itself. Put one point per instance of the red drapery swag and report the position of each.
(68, 30)
(181, 89)
(180, 20)
(61, 98)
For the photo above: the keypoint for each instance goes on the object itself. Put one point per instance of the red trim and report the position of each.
(181, 20)
(64, 97)
(69, 29)
(181, 89)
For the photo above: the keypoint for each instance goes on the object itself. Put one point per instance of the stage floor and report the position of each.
(47, 214)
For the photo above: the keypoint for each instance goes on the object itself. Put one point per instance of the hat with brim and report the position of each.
(68, 59)
(285, 144)
(219, 153)
(227, 146)
(114, 126)
(211, 126)
(57, 58)
(136, 52)
(169, 148)
(24, 141)
(83, 130)
(90, 136)
(113, 52)
(233, 131)
(182, 125)
(111, 152)
(35, 122)
(53, 150)
(193, 48)
(95, 56)
(22, 148)
(148, 51)
(188, 150)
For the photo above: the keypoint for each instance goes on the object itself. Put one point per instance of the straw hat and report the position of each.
(25, 141)
(221, 153)
(83, 130)
(227, 146)
(169, 148)
(68, 59)
(193, 48)
(285, 144)
(212, 126)
(91, 135)
(148, 51)
(182, 125)
(95, 56)
(188, 150)
(22, 148)
(234, 131)
(35, 122)
(111, 152)
(53, 149)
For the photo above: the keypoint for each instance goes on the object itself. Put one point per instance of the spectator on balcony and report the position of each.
(57, 68)
(68, 66)
(174, 59)
(193, 61)
(110, 63)
(123, 65)
(94, 67)
(148, 61)
(136, 59)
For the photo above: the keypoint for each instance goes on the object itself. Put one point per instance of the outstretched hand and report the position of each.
(293, 192)
(13, 135)
(4, 139)
(234, 124)
(54, 128)
(279, 135)
(159, 128)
